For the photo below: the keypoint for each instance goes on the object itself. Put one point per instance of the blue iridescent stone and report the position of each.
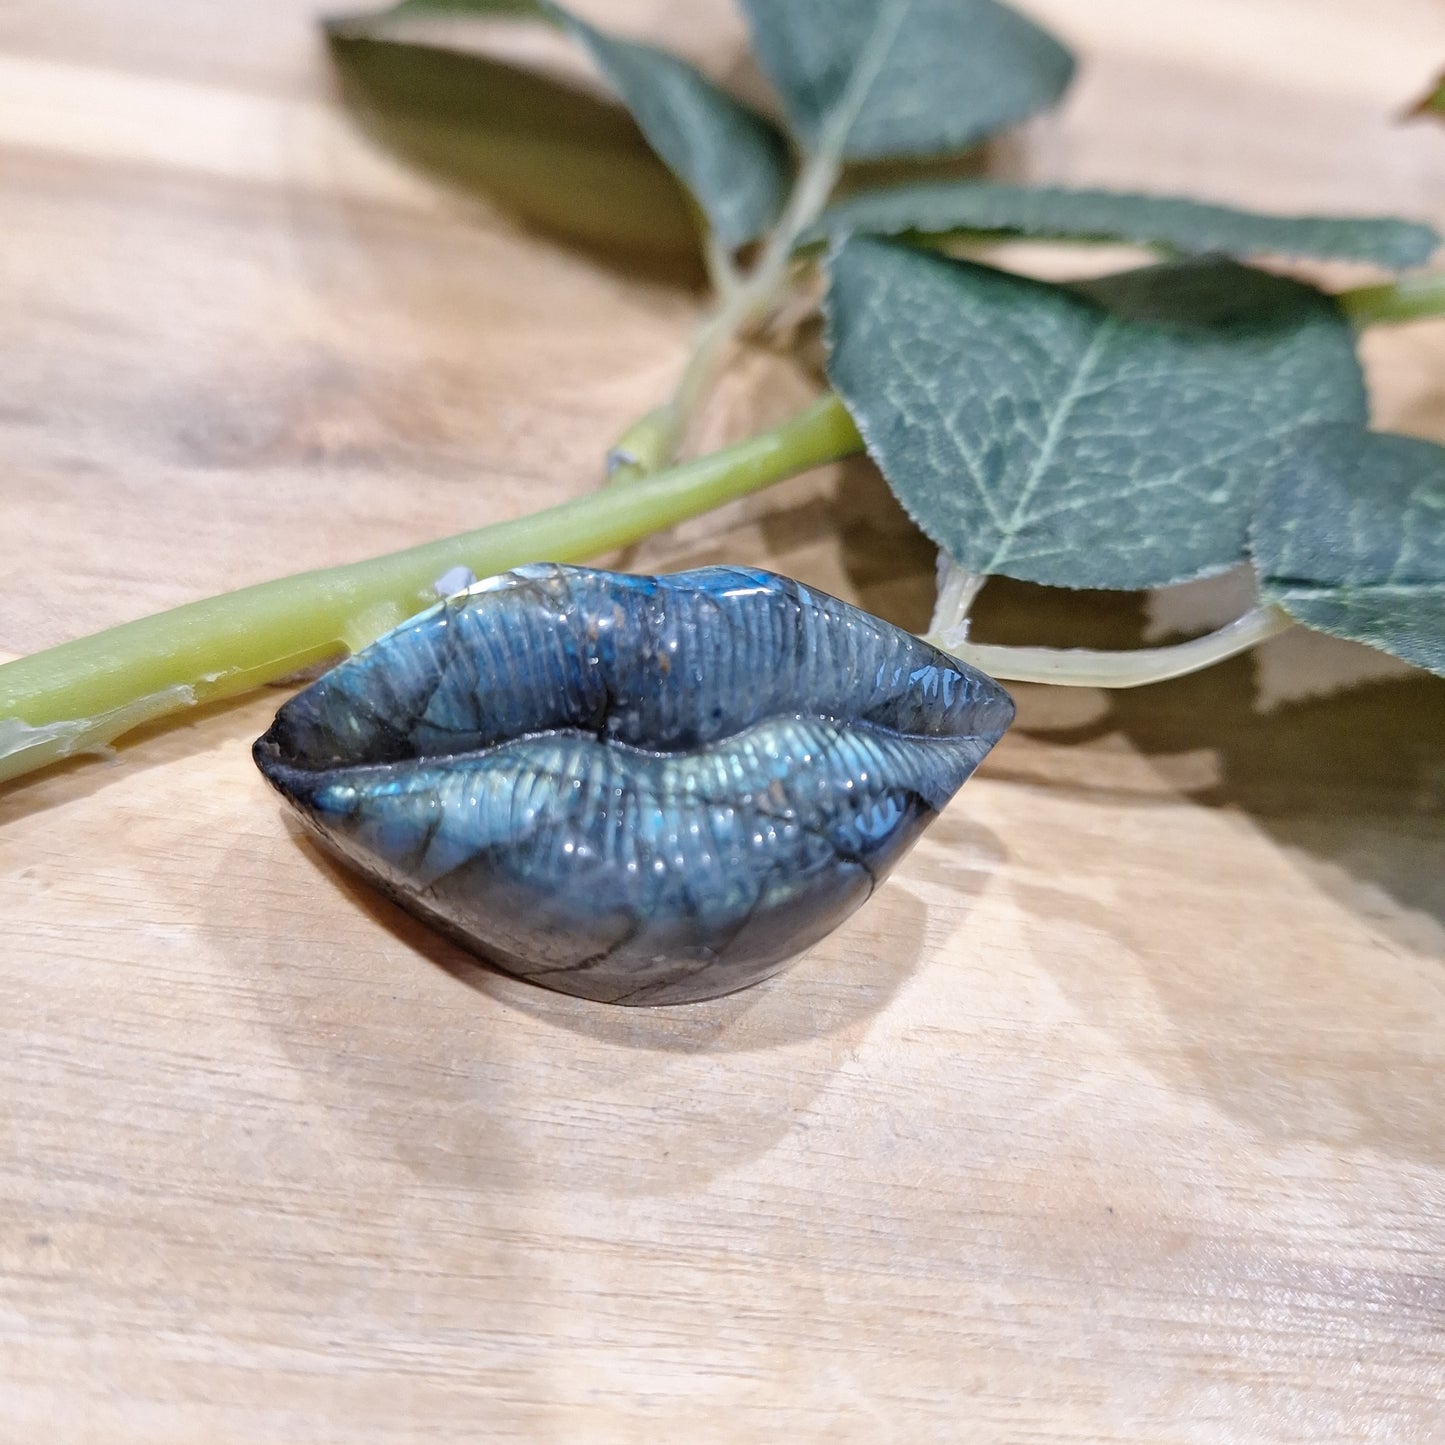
(636, 789)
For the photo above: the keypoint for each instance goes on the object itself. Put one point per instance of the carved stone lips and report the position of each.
(635, 789)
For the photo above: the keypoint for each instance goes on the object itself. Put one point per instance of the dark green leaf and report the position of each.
(1084, 436)
(936, 208)
(733, 160)
(1349, 539)
(875, 79)
(558, 158)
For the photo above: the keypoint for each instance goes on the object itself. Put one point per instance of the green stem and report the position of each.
(1411, 298)
(746, 302)
(654, 441)
(1083, 667)
(83, 694)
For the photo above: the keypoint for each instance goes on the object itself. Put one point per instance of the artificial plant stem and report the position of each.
(1411, 298)
(1082, 667)
(655, 440)
(85, 693)
(957, 587)
(722, 270)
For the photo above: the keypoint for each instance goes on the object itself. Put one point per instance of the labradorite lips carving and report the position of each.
(635, 789)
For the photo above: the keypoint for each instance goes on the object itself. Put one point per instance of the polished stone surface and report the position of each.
(634, 789)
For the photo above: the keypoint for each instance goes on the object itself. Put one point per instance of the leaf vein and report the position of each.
(1057, 421)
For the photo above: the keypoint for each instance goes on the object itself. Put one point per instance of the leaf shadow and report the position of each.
(1350, 786)
(1376, 751)
(1312, 772)
(565, 163)
(889, 562)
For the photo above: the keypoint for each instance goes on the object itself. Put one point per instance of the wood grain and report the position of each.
(1116, 1116)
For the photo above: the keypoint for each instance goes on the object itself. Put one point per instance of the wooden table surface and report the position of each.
(1118, 1115)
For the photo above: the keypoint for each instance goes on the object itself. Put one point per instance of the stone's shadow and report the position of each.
(814, 997)
(477, 1082)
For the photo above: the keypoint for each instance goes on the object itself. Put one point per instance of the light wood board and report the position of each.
(1118, 1115)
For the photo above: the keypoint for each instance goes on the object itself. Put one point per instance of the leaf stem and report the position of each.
(722, 270)
(745, 303)
(654, 441)
(957, 587)
(1411, 298)
(81, 695)
(1083, 667)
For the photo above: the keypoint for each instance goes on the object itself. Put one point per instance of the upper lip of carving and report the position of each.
(461, 678)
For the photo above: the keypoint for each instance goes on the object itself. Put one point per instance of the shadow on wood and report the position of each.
(562, 161)
(833, 989)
